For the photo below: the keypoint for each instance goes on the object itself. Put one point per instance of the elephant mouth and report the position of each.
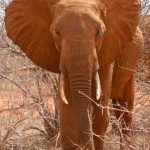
(97, 84)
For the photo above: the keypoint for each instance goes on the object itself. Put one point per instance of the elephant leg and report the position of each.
(67, 122)
(125, 104)
(125, 113)
(128, 102)
(100, 115)
(67, 127)
(122, 92)
(100, 123)
(116, 105)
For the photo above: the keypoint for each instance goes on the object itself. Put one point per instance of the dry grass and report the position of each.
(22, 128)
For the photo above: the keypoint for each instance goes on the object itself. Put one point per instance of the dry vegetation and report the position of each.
(28, 99)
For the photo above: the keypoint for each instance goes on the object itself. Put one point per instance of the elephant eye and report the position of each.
(56, 34)
(98, 32)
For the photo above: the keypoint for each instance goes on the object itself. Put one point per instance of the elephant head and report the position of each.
(72, 38)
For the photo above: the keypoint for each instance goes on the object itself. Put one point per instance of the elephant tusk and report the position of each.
(62, 92)
(98, 85)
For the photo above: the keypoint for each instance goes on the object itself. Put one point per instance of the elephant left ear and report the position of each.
(121, 22)
(28, 26)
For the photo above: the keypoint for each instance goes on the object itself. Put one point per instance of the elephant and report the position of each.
(94, 46)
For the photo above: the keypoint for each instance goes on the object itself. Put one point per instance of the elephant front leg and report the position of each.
(128, 104)
(122, 96)
(100, 114)
(100, 124)
(67, 127)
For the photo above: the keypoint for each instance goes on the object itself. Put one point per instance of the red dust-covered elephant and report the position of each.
(94, 45)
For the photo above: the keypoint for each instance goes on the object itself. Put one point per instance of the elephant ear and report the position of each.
(28, 26)
(121, 21)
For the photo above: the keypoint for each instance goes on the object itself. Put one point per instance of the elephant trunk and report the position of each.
(80, 73)
(83, 109)
(80, 66)
(97, 83)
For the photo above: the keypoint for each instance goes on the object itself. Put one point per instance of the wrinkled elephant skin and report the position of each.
(94, 45)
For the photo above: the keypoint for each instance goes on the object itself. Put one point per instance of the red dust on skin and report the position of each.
(122, 43)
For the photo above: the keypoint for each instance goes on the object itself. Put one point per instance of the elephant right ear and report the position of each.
(28, 25)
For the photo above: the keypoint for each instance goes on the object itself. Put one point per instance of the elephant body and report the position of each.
(94, 46)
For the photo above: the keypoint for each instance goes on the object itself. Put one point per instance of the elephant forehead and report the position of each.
(76, 19)
(87, 7)
(89, 3)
